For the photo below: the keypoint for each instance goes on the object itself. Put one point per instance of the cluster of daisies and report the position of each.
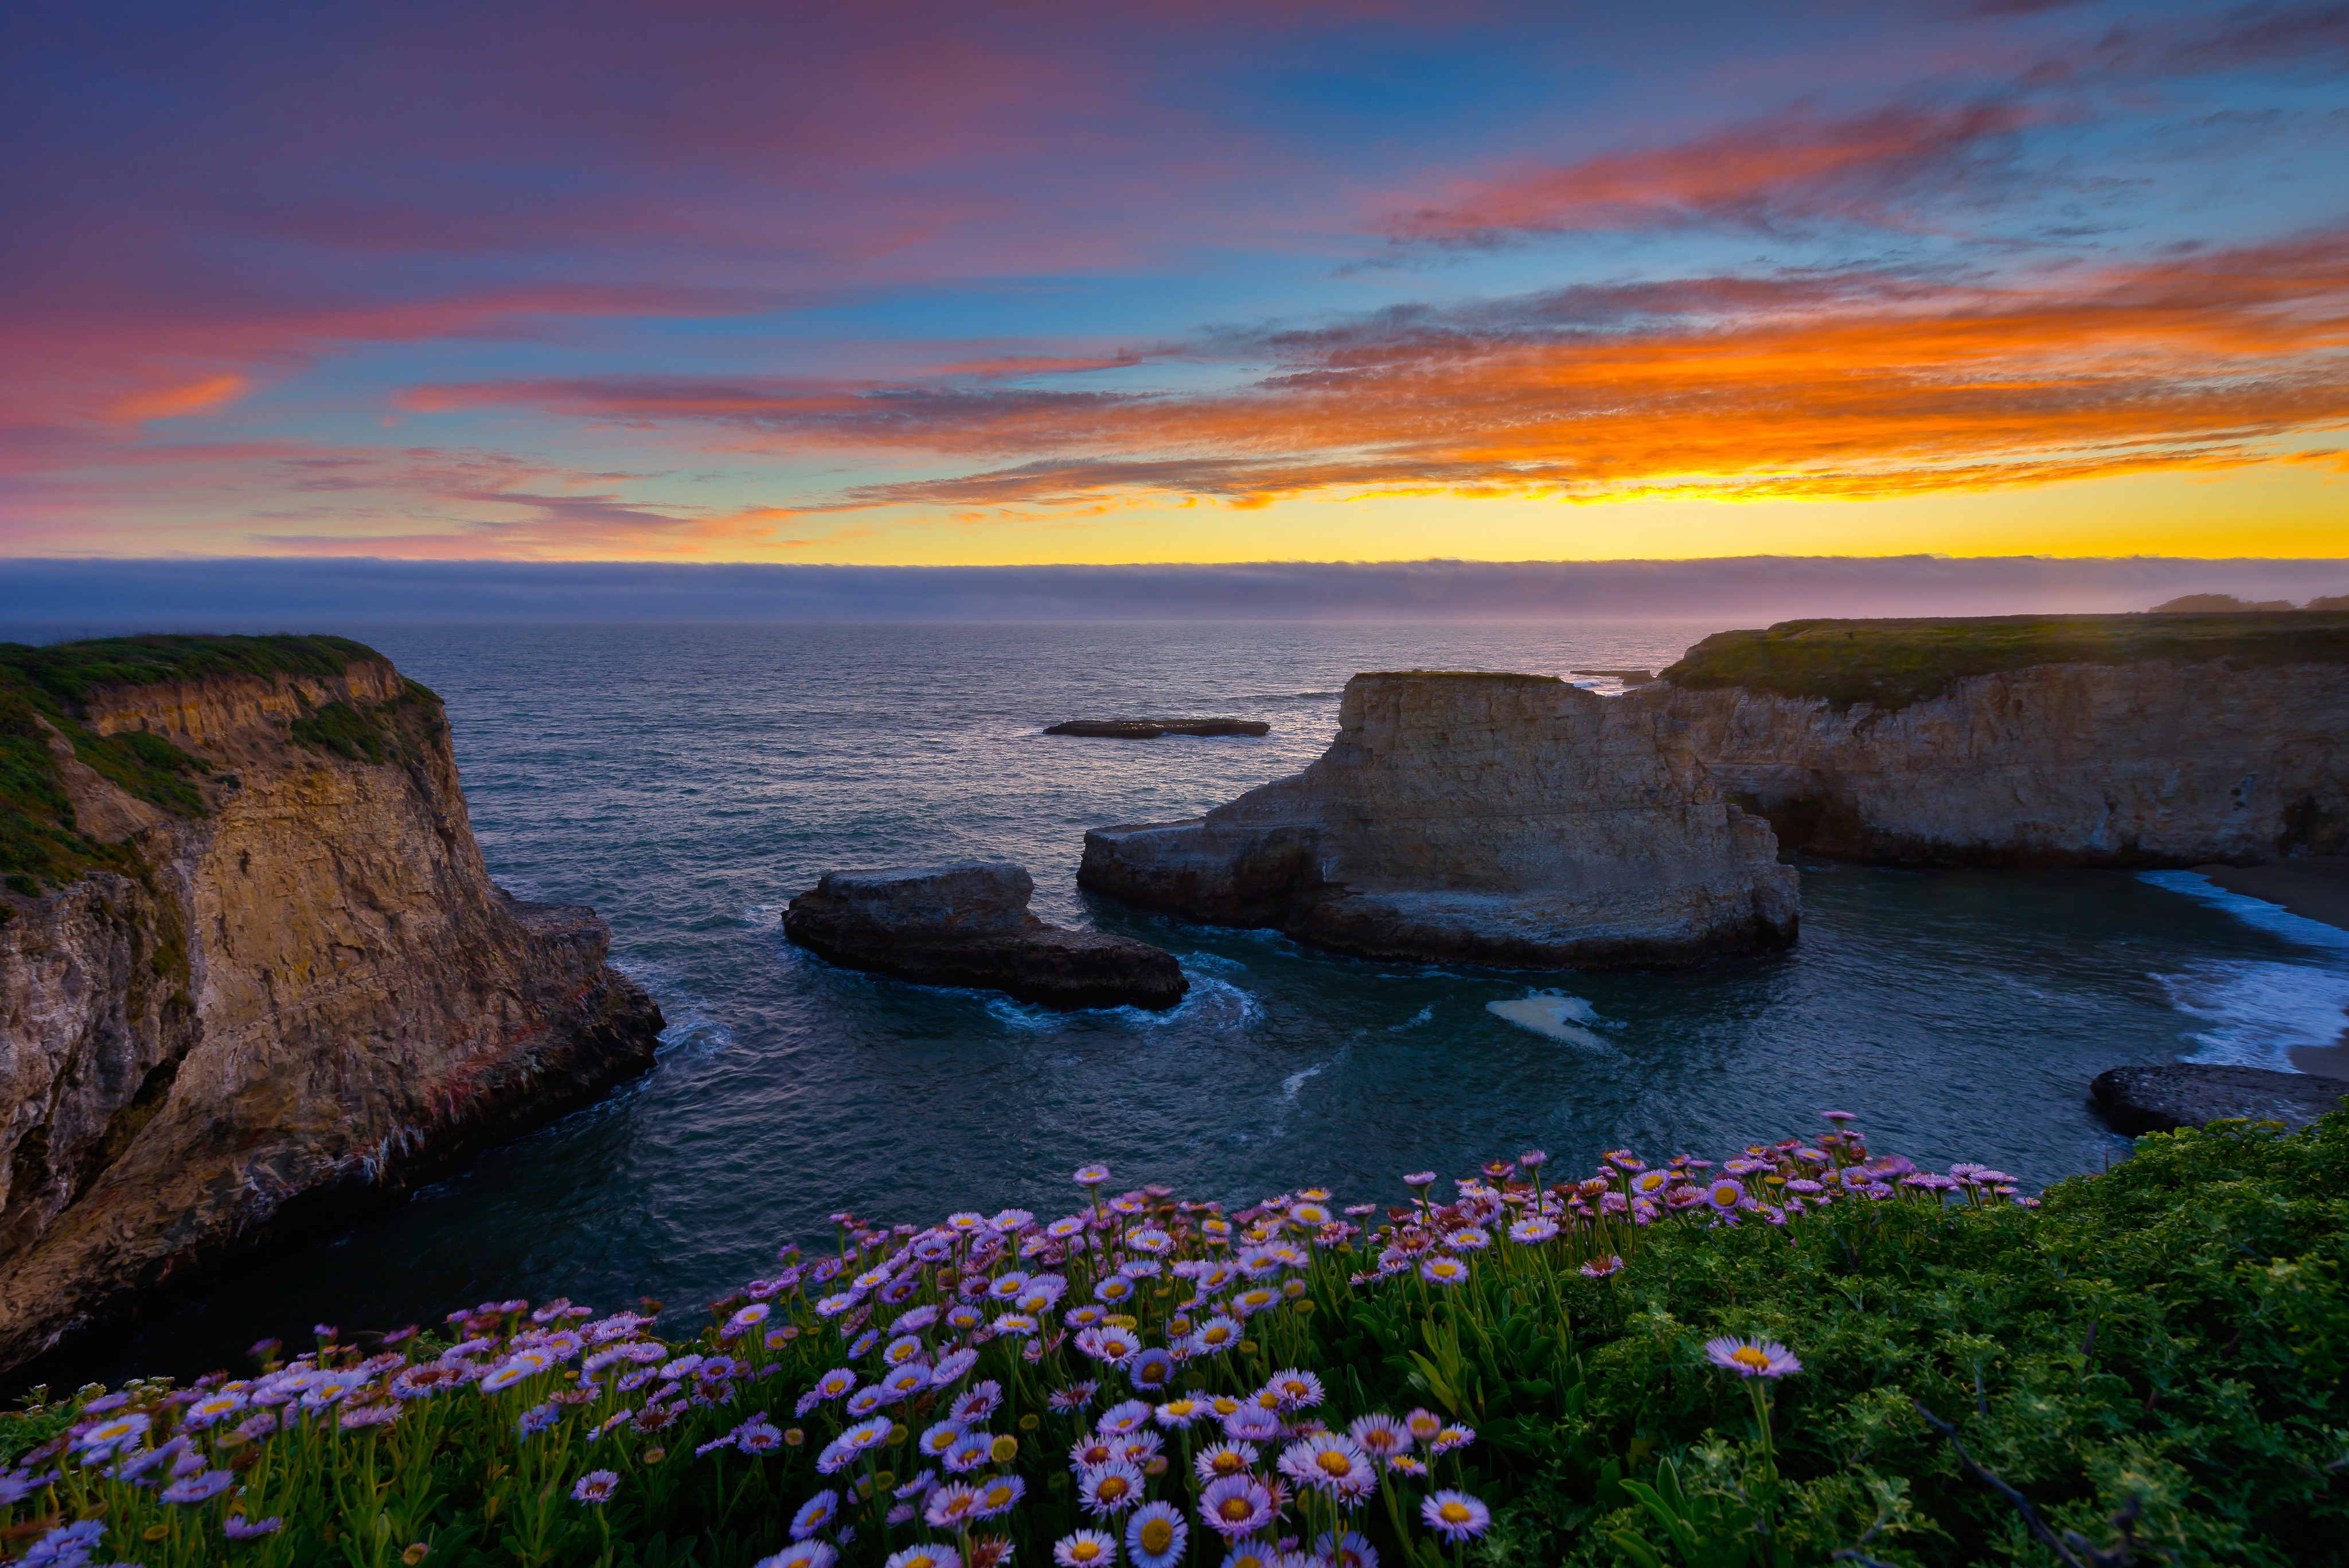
(907, 1399)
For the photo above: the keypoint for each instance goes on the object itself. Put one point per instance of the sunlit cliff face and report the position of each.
(1036, 283)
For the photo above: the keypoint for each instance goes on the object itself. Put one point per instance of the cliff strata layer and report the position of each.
(2159, 763)
(1512, 820)
(286, 992)
(968, 924)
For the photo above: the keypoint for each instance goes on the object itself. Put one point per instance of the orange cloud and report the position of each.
(198, 397)
(1859, 385)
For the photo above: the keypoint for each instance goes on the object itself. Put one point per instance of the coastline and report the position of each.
(2315, 889)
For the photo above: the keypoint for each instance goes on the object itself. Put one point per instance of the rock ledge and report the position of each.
(968, 924)
(2176, 1095)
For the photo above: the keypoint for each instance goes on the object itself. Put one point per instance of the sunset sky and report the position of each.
(1178, 282)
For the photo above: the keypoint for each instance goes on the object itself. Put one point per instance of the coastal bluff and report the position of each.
(255, 977)
(968, 924)
(1511, 820)
(2043, 741)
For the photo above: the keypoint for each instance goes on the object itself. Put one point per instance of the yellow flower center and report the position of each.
(1747, 1355)
(1453, 1513)
(1228, 1463)
(1084, 1551)
(1158, 1536)
(1333, 1463)
(1112, 1488)
(1235, 1509)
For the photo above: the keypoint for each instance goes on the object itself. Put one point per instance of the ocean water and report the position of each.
(688, 780)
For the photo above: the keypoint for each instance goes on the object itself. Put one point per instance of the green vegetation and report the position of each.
(1806, 1354)
(1893, 663)
(45, 690)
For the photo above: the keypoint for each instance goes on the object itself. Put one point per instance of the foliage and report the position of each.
(1606, 1370)
(42, 693)
(1893, 663)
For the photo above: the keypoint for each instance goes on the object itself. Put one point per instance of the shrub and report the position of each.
(1681, 1364)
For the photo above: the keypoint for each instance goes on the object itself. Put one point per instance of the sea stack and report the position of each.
(968, 924)
(1512, 820)
(254, 975)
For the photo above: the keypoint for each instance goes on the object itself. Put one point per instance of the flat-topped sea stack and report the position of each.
(254, 978)
(2094, 741)
(1511, 820)
(1151, 728)
(968, 924)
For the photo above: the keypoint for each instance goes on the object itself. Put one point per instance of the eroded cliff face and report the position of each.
(1510, 820)
(292, 1006)
(2141, 764)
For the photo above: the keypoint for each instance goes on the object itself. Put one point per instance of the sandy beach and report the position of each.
(2317, 888)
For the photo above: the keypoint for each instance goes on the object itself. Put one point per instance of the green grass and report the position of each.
(1893, 663)
(40, 843)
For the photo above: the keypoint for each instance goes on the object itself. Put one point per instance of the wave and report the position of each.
(1555, 1014)
(2273, 919)
(1424, 1015)
(1216, 1004)
(2259, 1013)
(688, 1020)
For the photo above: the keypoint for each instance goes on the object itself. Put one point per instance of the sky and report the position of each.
(1009, 284)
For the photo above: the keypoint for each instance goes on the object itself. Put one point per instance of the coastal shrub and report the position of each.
(1805, 1354)
(1893, 663)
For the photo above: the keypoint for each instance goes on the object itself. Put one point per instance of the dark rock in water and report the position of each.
(1627, 677)
(968, 924)
(1151, 728)
(2191, 1095)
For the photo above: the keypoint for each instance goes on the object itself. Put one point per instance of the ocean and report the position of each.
(688, 780)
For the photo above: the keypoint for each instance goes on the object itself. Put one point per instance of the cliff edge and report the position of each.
(1511, 820)
(253, 974)
(2087, 740)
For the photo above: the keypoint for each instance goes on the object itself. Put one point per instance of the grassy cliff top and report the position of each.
(42, 690)
(1893, 663)
(69, 669)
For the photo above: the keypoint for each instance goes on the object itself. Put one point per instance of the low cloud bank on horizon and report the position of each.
(44, 599)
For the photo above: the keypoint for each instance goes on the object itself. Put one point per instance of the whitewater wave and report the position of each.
(1555, 1014)
(2273, 919)
(1216, 1004)
(688, 1021)
(1424, 1015)
(2259, 1013)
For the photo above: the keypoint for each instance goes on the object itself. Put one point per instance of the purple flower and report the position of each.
(1455, 1516)
(595, 1486)
(239, 1528)
(1237, 1505)
(198, 1488)
(1752, 1358)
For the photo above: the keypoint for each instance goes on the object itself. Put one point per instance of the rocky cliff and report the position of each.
(2152, 752)
(253, 974)
(1502, 819)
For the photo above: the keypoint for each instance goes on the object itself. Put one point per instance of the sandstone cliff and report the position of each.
(2159, 762)
(1502, 819)
(252, 972)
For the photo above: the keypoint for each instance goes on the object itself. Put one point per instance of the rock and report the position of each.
(1512, 820)
(969, 926)
(2161, 763)
(2190, 1094)
(290, 1008)
(1151, 728)
(1627, 677)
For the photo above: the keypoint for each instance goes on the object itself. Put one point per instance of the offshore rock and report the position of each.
(284, 1011)
(968, 924)
(2161, 763)
(1151, 728)
(2163, 1098)
(1511, 820)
